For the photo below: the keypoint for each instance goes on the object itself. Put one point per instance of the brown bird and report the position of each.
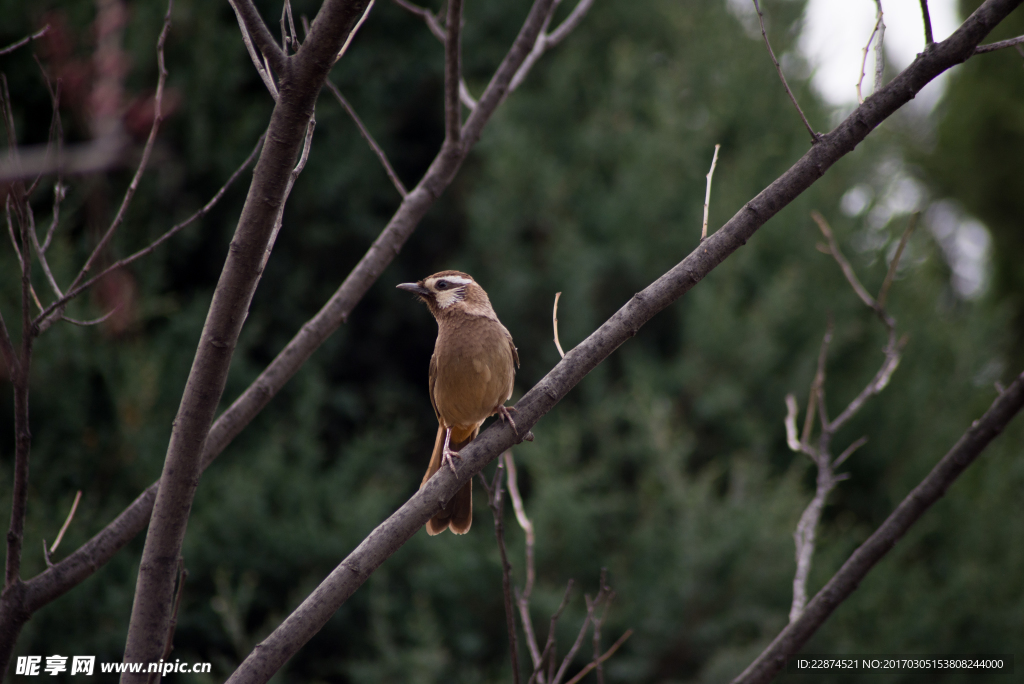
(471, 375)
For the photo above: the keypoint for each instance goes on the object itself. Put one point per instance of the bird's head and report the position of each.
(450, 291)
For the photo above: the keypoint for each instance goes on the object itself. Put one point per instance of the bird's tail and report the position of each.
(457, 514)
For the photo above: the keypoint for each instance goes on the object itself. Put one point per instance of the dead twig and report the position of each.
(554, 323)
(707, 194)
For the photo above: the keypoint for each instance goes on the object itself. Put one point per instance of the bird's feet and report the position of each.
(447, 455)
(505, 413)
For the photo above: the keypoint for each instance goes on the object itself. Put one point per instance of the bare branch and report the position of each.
(928, 40)
(67, 522)
(432, 23)
(883, 292)
(554, 324)
(778, 67)
(147, 150)
(607, 654)
(258, 37)
(707, 194)
(999, 46)
(575, 646)
(395, 180)
(496, 501)
(453, 73)
(47, 318)
(791, 412)
(864, 55)
(354, 31)
(879, 49)
(25, 41)
(851, 276)
(93, 321)
(848, 451)
(981, 433)
(570, 23)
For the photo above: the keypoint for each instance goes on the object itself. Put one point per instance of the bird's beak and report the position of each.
(415, 288)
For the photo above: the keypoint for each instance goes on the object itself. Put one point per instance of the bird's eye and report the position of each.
(442, 285)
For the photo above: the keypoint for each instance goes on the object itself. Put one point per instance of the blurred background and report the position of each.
(667, 465)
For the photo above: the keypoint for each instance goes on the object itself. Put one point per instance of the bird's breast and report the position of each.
(475, 371)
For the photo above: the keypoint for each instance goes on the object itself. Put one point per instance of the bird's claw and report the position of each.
(505, 413)
(446, 457)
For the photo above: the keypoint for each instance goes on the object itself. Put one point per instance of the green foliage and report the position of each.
(667, 465)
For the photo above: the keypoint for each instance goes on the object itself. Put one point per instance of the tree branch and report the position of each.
(778, 67)
(47, 317)
(453, 73)
(991, 47)
(258, 36)
(183, 464)
(395, 180)
(920, 499)
(928, 40)
(25, 41)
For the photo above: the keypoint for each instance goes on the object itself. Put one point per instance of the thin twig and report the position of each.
(44, 319)
(928, 40)
(91, 321)
(453, 73)
(429, 17)
(879, 49)
(496, 501)
(851, 276)
(395, 180)
(354, 31)
(707, 194)
(999, 46)
(546, 41)
(549, 645)
(575, 645)
(25, 41)
(864, 55)
(146, 151)
(883, 292)
(778, 67)
(260, 64)
(67, 521)
(848, 451)
(554, 323)
(607, 654)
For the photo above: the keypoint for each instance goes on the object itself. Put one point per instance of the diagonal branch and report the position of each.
(395, 180)
(25, 41)
(981, 433)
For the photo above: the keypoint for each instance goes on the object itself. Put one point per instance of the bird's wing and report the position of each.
(431, 379)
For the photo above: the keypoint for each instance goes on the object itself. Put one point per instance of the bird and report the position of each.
(470, 378)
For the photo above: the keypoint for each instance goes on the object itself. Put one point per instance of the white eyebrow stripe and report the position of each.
(457, 279)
